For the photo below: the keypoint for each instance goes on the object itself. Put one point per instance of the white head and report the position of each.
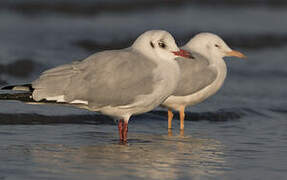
(158, 44)
(211, 46)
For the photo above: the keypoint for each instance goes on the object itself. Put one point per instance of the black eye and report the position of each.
(162, 45)
(216, 45)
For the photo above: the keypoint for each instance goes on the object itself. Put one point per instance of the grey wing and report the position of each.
(196, 74)
(107, 78)
(54, 82)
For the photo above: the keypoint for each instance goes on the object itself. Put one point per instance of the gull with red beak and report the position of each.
(118, 83)
(202, 75)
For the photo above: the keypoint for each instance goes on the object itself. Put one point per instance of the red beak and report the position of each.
(182, 53)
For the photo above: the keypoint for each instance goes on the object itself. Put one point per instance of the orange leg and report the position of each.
(181, 114)
(170, 116)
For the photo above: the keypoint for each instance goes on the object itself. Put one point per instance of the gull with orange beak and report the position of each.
(201, 76)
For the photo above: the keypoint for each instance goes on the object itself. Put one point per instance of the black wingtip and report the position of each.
(7, 87)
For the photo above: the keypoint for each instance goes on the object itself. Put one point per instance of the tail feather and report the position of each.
(24, 87)
(25, 97)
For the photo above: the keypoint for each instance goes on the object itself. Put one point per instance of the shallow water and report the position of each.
(246, 148)
(240, 133)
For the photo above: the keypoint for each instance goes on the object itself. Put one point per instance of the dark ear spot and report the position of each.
(151, 44)
(191, 56)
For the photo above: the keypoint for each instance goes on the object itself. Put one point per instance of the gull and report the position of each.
(117, 83)
(202, 75)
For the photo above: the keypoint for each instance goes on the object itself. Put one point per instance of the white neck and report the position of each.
(218, 62)
(221, 67)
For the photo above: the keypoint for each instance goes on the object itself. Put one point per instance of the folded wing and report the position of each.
(196, 74)
(107, 78)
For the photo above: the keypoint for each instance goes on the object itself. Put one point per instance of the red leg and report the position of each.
(125, 132)
(120, 127)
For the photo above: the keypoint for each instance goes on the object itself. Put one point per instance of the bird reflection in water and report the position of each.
(164, 157)
(181, 132)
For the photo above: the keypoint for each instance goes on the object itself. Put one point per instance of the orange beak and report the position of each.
(236, 54)
(182, 53)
